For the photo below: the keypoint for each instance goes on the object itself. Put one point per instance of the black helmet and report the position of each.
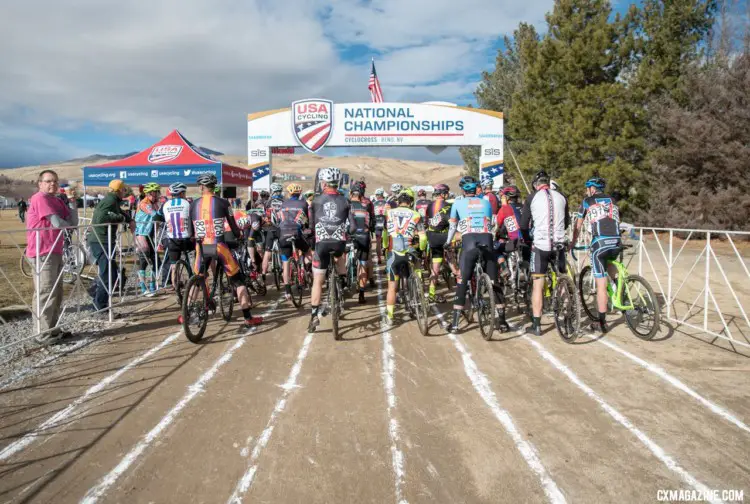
(207, 179)
(468, 183)
(358, 187)
(541, 177)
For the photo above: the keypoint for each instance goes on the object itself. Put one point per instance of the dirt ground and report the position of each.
(281, 415)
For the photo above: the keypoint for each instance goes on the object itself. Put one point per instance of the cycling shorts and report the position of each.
(285, 246)
(323, 249)
(539, 261)
(361, 243)
(602, 250)
(437, 243)
(255, 239)
(272, 234)
(176, 246)
(397, 265)
(221, 252)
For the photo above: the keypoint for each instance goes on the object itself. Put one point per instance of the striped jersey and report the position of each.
(177, 215)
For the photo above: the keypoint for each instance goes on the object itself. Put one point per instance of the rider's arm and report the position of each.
(230, 219)
(526, 217)
(422, 234)
(385, 236)
(452, 223)
(579, 221)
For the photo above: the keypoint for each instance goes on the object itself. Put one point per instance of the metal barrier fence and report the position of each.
(79, 278)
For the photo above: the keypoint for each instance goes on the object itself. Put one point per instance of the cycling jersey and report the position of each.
(402, 225)
(145, 217)
(207, 215)
(548, 210)
(293, 216)
(177, 215)
(359, 218)
(470, 215)
(379, 208)
(604, 216)
(273, 210)
(437, 216)
(493, 199)
(421, 207)
(508, 221)
(329, 216)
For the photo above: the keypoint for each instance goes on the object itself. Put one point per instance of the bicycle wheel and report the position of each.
(276, 270)
(226, 295)
(419, 303)
(74, 259)
(297, 288)
(333, 302)
(194, 302)
(486, 304)
(180, 277)
(566, 309)
(403, 288)
(587, 292)
(639, 294)
(27, 266)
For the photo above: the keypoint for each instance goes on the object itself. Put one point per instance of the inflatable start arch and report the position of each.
(315, 123)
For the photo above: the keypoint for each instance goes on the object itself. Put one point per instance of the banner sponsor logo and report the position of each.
(164, 153)
(312, 123)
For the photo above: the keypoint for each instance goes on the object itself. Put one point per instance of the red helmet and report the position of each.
(421, 192)
(255, 194)
(511, 192)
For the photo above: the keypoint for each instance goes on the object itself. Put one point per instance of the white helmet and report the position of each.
(276, 187)
(379, 191)
(330, 174)
(554, 185)
(396, 188)
(177, 188)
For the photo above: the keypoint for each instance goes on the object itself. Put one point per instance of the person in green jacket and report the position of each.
(102, 239)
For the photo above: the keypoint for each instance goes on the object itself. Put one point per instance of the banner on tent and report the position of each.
(134, 176)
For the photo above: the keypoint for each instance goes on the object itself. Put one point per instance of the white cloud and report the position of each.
(144, 67)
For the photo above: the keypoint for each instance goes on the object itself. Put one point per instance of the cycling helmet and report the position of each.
(468, 183)
(307, 194)
(255, 194)
(541, 177)
(151, 187)
(597, 182)
(294, 188)
(276, 188)
(330, 175)
(207, 179)
(177, 188)
(440, 189)
(264, 194)
(511, 192)
(396, 188)
(217, 189)
(358, 187)
(362, 182)
(379, 191)
(487, 181)
(406, 196)
(554, 185)
(421, 192)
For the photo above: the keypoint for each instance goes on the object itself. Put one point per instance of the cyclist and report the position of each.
(472, 217)
(309, 195)
(605, 240)
(329, 218)
(263, 201)
(437, 217)
(487, 184)
(177, 216)
(207, 215)
(422, 203)
(509, 229)
(547, 209)
(145, 237)
(361, 224)
(402, 224)
(294, 216)
(271, 226)
(255, 241)
(395, 191)
(379, 208)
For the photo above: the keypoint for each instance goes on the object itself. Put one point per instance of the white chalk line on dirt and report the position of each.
(291, 383)
(62, 415)
(100, 489)
(620, 418)
(389, 383)
(482, 386)
(661, 373)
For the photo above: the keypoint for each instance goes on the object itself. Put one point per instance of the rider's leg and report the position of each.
(491, 260)
(468, 258)
(393, 279)
(539, 260)
(320, 267)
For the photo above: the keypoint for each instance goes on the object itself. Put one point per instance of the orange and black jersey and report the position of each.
(207, 215)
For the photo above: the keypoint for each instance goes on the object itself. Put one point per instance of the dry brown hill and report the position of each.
(378, 172)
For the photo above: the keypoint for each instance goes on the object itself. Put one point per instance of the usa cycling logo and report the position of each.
(164, 153)
(312, 123)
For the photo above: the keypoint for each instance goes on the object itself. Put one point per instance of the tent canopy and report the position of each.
(172, 159)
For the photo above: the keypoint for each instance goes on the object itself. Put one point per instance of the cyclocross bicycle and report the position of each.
(276, 264)
(198, 303)
(560, 296)
(414, 297)
(637, 302)
(297, 274)
(480, 296)
(73, 260)
(335, 296)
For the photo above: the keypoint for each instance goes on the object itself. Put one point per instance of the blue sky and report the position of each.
(113, 77)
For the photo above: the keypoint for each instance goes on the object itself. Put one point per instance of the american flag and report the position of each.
(376, 92)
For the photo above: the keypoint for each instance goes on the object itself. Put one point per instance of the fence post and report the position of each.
(640, 252)
(708, 286)
(109, 255)
(669, 280)
(37, 284)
